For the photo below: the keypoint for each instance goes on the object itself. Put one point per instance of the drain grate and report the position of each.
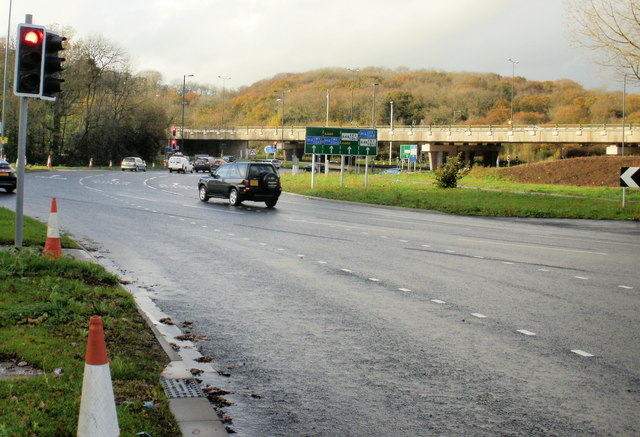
(181, 388)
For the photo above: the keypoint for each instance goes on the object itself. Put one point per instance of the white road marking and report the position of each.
(581, 353)
(374, 279)
(525, 332)
(322, 262)
(478, 315)
(581, 277)
(263, 244)
(626, 287)
(450, 251)
(425, 245)
(478, 256)
(346, 270)
(507, 262)
(543, 270)
(403, 241)
(438, 301)
(531, 246)
(404, 289)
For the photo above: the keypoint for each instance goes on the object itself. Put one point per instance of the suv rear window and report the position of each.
(257, 169)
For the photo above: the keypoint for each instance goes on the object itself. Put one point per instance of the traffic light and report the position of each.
(29, 55)
(173, 131)
(52, 65)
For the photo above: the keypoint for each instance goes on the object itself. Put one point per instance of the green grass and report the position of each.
(34, 233)
(45, 307)
(498, 197)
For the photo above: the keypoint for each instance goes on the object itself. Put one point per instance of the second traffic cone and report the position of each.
(98, 415)
(91, 163)
(49, 162)
(52, 247)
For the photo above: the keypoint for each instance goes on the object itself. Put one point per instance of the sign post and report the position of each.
(629, 177)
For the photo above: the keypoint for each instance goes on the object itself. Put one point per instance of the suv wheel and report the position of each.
(271, 203)
(233, 197)
(203, 193)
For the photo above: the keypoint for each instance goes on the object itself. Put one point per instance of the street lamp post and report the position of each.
(184, 81)
(513, 79)
(222, 117)
(356, 71)
(373, 106)
(281, 99)
(391, 123)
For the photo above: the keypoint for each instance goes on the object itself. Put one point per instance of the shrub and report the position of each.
(447, 175)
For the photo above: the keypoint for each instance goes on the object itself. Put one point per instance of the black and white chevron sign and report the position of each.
(630, 177)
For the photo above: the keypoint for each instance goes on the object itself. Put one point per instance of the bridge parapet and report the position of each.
(561, 134)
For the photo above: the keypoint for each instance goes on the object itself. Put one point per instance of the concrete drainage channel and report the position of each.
(188, 403)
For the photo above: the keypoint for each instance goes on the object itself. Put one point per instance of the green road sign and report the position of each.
(407, 151)
(339, 141)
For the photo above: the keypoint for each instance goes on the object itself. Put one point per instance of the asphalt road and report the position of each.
(340, 319)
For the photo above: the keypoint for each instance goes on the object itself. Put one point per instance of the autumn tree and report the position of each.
(611, 28)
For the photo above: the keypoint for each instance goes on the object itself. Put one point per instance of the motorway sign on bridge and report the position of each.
(341, 141)
(630, 177)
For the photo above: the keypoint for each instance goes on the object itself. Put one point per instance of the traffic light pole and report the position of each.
(22, 152)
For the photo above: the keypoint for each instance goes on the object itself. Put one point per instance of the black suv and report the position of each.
(240, 181)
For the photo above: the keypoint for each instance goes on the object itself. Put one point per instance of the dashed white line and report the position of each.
(543, 270)
(478, 256)
(626, 287)
(581, 353)
(374, 279)
(403, 289)
(346, 270)
(450, 251)
(508, 263)
(478, 315)
(438, 301)
(581, 277)
(322, 262)
(403, 241)
(425, 245)
(525, 332)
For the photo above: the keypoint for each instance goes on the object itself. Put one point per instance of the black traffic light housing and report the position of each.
(52, 65)
(29, 57)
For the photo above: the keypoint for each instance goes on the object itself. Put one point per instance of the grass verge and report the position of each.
(45, 307)
(34, 233)
(490, 197)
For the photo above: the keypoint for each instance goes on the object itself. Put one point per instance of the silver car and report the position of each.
(133, 164)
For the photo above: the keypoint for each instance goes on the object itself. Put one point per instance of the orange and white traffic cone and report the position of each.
(52, 247)
(110, 164)
(98, 415)
(49, 162)
(90, 162)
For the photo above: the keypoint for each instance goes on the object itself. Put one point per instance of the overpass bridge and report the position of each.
(434, 142)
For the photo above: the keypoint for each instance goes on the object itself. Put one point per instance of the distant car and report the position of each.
(319, 167)
(133, 164)
(228, 158)
(180, 163)
(8, 178)
(217, 163)
(202, 164)
(276, 162)
(240, 181)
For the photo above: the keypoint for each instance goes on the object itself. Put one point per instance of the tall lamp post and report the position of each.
(391, 123)
(513, 79)
(222, 117)
(184, 81)
(373, 107)
(356, 71)
(281, 99)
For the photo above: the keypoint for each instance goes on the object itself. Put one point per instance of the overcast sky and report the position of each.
(250, 40)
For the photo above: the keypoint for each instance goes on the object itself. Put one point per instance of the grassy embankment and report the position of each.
(491, 195)
(45, 306)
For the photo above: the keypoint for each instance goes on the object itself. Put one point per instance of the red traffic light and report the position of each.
(33, 37)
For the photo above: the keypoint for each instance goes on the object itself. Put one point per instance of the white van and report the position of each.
(180, 163)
